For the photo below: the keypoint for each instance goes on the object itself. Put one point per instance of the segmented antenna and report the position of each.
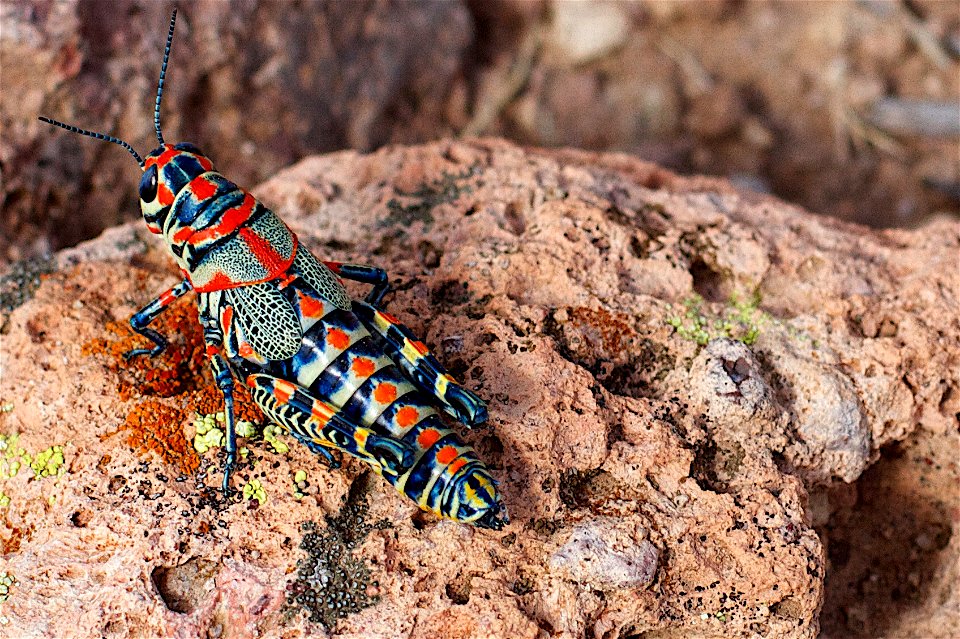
(163, 73)
(94, 134)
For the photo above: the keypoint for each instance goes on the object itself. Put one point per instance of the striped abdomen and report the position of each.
(342, 363)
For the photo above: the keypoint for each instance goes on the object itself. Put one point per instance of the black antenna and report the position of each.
(94, 134)
(163, 73)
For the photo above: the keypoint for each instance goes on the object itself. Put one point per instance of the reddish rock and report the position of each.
(656, 449)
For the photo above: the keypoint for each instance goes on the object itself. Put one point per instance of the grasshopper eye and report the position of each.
(148, 184)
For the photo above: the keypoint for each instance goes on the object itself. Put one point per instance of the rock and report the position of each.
(670, 366)
(601, 554)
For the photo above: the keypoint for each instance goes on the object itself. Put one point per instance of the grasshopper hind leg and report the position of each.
(423, 369)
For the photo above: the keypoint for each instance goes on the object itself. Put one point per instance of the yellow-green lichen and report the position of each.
(48, 462)
(6, 584)
(299, 484)
(6, 407)
(741, 320)
(272, 434)
(12, 456)
(246, 429)
(253, 489)
(210, 433)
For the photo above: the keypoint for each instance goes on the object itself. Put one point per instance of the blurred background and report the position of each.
(850, 109)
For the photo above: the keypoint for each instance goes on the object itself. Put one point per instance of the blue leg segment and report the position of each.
(366, 275)
(148, 313)
(224, 379)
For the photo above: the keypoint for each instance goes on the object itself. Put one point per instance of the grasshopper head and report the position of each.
(167, 170)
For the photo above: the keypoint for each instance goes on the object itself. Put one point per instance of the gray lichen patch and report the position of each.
(332, 582)
(419, 203)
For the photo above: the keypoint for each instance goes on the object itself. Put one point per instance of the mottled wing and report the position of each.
(267, 320)
(321, 279)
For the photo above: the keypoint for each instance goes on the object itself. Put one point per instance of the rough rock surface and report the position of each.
(682, 381)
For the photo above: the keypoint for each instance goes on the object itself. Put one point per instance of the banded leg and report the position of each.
(315, 422)
(224, 379)
(148, 313)
(423, 369)
(366, 275)
(223, 376)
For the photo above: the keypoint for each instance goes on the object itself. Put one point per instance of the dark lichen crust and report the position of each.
(331, 581)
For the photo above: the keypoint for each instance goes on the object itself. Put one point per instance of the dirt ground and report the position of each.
(849, 109)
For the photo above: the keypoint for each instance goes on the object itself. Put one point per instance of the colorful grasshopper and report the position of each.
(335, 373)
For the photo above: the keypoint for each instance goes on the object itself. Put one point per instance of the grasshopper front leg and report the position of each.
(222, 375)
(148, 313)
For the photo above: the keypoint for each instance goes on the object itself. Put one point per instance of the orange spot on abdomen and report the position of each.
(407, 416)
(428, 437)
(310, 306)
(338, 339)
(446, 454)
(363, 367)
(385, 392)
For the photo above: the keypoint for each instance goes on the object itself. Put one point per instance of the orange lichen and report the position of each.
(157, 427)
(177, 369)
(178, 374)
(603, 329)
(209, 400)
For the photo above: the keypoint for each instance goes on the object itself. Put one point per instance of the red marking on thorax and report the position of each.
(220, 281)
(230, 221)
(202, 188)
(272, 261)
(457, 464)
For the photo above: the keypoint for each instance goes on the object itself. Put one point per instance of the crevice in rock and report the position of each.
(182, 588)
(886, 542)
